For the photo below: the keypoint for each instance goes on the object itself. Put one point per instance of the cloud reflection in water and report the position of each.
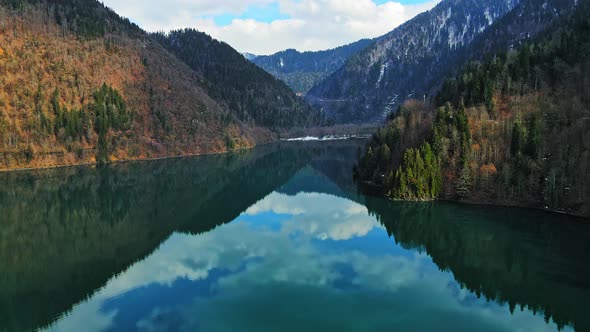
(291, 263)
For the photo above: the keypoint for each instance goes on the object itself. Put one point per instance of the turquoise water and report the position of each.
(275, 239)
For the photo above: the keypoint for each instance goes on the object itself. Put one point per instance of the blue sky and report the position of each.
(261, 13)
(268, 26)
(271, 12)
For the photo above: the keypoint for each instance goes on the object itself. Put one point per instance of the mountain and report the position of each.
(413, 60)
(252, 94)
(509, 130)
(301, 71)
(80, 84)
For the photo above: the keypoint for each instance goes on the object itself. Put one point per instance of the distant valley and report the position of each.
(303, 70)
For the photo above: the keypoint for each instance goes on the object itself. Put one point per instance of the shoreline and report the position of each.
(123, 161)
(474, 203)
(328, 134)
(582, 218)
(192, 155)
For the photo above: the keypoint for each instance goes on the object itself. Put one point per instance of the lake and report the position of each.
(275, 239)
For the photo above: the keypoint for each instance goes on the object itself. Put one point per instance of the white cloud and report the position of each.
(318, 215)
(312, 24)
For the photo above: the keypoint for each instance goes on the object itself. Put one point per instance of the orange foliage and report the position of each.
(39, 56)
(489, 169)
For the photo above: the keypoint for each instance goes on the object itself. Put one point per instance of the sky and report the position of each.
(267, 26)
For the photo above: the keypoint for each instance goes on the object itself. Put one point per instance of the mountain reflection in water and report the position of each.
(275, 239)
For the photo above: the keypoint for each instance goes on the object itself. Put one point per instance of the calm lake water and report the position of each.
(275, 239)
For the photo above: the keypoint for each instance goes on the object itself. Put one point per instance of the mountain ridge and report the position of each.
(251, 93)
(302, 70)
(425, 50)
(368, 86)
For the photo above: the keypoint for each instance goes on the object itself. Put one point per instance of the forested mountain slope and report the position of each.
(302, 70)
(510, 130)
(80, 84)
(252, 94)
(413, 60)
